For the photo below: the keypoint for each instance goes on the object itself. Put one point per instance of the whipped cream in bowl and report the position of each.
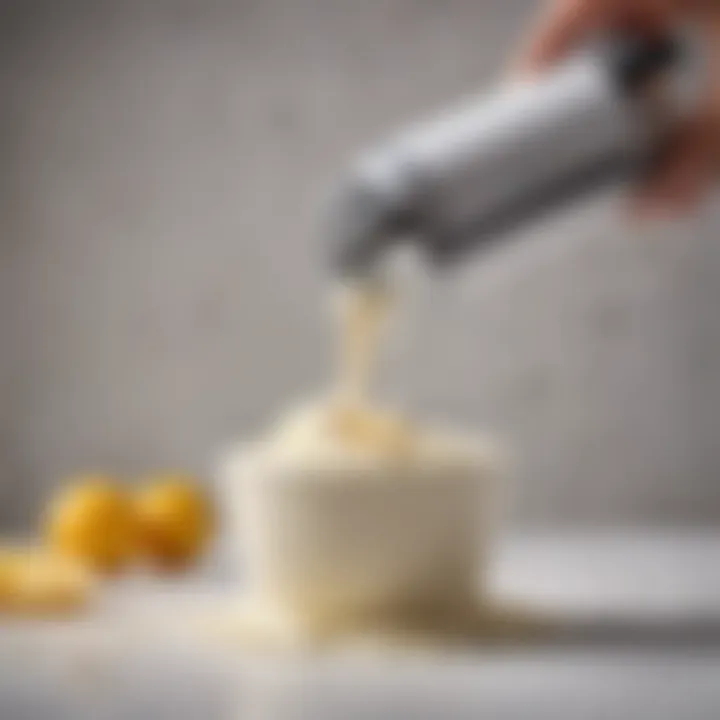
(346, 512)
(345, 515)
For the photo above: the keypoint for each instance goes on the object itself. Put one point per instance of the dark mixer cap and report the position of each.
(637, 61)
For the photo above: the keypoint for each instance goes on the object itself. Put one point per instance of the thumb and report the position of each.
(566, 23)
(561, 26)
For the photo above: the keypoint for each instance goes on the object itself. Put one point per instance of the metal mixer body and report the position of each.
(464, 178)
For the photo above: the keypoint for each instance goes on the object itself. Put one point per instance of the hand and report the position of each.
(685, 174)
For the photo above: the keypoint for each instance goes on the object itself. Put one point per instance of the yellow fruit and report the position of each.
(7, 576)
(175, 520)
(92, 520)
(34, 581)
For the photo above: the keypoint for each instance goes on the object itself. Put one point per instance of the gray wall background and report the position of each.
(164, 170)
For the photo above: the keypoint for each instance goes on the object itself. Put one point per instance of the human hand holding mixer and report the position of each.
(587, 118)
(689, 166)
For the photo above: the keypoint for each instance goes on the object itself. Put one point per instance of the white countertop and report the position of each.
(639, 637)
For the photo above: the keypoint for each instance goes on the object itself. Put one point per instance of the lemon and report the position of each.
(175, 520)
(7, 576)
(92, 521)
(35, 581)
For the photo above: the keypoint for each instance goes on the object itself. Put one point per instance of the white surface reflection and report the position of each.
(638, 636)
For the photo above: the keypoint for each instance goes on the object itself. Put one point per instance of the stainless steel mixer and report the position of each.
(455, 183)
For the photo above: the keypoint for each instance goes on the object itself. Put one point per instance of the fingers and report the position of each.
(566, 23)
(690, 166)
(691, 163)
(685, 173)
(560, 27)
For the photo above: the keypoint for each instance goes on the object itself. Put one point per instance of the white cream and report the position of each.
(347, 512)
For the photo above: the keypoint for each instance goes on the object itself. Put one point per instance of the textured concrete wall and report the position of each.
(164, 168)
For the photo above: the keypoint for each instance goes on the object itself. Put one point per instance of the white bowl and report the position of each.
(343, 540)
